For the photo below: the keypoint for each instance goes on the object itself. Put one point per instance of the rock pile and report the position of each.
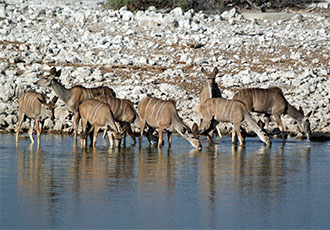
(161, 54)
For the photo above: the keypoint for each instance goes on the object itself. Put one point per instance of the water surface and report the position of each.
(223, 186)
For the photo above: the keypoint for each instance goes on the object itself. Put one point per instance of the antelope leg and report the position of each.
(169, 138)
(96, 130)
(111, 139)
(142, 124)
(219, 131)
(239, 134)
(233, 136)
(76, 122)
(30, 132)
(38, 128)
(160, 138)
(131, 133)
(280, 124)
(149, 135)
(83, 135)
(104, 134)
(20, 119)
(209, 137)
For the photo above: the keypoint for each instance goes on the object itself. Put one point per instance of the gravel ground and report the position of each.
(161, 54)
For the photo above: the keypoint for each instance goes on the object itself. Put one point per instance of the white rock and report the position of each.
(176, 12)
(11, 119)
(295, 55)
(127, 16)
(61, 113)
(48, 124)
(2, 11)
(229, 14)
(3, 107)
(58, 126)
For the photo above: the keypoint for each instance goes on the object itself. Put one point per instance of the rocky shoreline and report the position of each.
(161, 54)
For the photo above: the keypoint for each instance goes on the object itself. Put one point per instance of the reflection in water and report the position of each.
(28, 168)
(222, 182)
(245, 175)
(155, 169)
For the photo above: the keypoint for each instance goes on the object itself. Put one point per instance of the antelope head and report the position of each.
(48, 80)
(264, 137)
(118, 135)
(192, 135)
(304, 125)
(263, 133)
(47, 110)
(210, 76)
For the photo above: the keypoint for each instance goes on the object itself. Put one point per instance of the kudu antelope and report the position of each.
(74, 96)
(210, 90)
(99, 115)
(223, 110)
(271, 101)
(123, 111)
(34, 106)
(157, 113)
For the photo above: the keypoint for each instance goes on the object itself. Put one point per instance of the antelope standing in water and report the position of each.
(223, 110)
(34, 106)
(210, 90)
(123, 111)
(157, 113)
(99, 115)
(74, 96)
(271, 101)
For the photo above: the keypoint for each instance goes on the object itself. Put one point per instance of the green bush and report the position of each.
(135, 5)
(208, 5)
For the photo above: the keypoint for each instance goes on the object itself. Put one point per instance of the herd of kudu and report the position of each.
(98, 108)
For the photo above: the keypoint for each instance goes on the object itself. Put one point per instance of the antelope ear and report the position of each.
(309, 114)
(194, 128)
(261, 124)
(215, 72)
(54, 100)
(41, 101)
(52, 71)
(58, 73)
(301, 110)
(44, 81)
(204, 71)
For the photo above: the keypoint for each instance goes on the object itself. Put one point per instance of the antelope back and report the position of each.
(262, 100)
(122, 109)
(34, 104)
(88, 93)
(156, 111)
(223, 110)
(97, 113)
(80, 93)
(106, 91)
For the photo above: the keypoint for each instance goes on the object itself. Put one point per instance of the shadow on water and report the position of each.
(252, 186)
